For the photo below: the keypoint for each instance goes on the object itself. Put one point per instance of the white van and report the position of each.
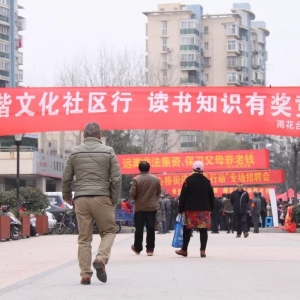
(56, 198)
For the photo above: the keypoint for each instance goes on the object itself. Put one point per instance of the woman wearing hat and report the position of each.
(195, 204)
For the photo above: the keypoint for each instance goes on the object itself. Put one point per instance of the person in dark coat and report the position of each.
(263, 212)
(215, 216)
(240, 201)
(195, 204)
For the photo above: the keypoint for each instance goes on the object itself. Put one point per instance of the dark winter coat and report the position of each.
(240, 201)
(197, 194)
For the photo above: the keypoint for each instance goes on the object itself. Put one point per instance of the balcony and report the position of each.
(243, 53)
(190, 31)
(20, 58)
(21, 24)
(4, 73)
(4, 55)
(189, 65)
(4, 19)
(189, 48)
(244, 70)
(190, 81)
(4, 37)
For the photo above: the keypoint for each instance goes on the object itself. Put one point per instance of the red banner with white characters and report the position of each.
(258, 110)
(257, 177)
(219, 191)
(182, 162)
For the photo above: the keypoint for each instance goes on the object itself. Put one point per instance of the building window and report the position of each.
(261, 61)
(206, 46)
(232, 77)
(244, 47)
(146, 45)
(231, 61)
(164, 44)
(189, 40)
(206, 77)
(3, 11)
(206, 30)
(146, 61)
(146, 29)
(244, 21)
(4, 65)
(3, 29)
(188, 138)
(244, 62)
(189, 57)
(165, 60)
(187, 24)
(162, 9)
(206, 61)
(232, 29)
(260, 36)
(4, 48)
(232, 46)
(164, 28)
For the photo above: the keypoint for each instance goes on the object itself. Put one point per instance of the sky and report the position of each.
(58, 30)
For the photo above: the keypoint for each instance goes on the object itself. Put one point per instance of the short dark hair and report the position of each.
(223, 195)
(144, 166)
(259, 193)
(92, 130)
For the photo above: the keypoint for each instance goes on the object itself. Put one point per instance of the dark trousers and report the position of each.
(214, 222)
(141, 219)
(241, 223)
(255, 220)
(263, 215)
(229, 221)
(168, 220)
(187, 236)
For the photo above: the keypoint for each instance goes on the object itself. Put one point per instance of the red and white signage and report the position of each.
(258, 110)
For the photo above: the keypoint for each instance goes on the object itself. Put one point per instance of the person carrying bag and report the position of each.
(195, 205)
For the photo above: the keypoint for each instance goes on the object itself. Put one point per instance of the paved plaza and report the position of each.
(262, 267)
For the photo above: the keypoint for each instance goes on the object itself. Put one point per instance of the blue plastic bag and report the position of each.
(178, 234)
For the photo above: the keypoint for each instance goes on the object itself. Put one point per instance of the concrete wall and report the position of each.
(8, 163)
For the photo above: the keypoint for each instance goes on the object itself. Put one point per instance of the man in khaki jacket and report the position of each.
(145, 191)
(97, 189)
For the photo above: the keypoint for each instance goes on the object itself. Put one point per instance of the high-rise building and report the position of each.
(184, 47)
(6, 51)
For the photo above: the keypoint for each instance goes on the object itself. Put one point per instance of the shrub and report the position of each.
(38, 200)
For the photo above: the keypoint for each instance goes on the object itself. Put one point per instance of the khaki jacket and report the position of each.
(145, 191)
(96, 169)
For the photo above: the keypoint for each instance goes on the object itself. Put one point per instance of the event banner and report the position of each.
(182, 162)
(227, 178)
(219, 191)
(260, 110)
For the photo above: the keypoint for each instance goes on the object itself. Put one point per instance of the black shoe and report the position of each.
(238, 236)
(246, 234)
(100, 269)
(228, 231)
(217, 232)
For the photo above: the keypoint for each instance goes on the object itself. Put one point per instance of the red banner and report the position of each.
(219, 191)
(227, 178)
(182, 162)
(258, 110)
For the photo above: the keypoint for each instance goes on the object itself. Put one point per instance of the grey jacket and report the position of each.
(255, 206)
(96, 169)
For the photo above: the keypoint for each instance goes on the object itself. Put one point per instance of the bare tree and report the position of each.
(212, 138)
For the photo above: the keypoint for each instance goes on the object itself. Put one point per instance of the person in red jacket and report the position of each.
(126, 206)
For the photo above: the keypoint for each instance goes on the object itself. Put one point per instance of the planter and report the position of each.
(25, 229)
(42, 224)
(4, 228)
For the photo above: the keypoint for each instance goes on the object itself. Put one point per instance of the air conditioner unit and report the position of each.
(169, 66)
(168, 50)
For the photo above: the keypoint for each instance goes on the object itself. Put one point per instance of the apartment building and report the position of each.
(186, 47)
(6, 48)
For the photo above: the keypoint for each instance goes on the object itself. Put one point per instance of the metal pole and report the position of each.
(12, 44)
(18, 179)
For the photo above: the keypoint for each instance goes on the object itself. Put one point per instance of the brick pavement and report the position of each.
(264, 266)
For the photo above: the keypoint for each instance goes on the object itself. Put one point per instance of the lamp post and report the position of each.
(18, 141)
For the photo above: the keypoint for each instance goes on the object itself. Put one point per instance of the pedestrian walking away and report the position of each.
(145, 191)
(160, 216)
(168, 208)
(215, 216)
(240, 200)
(263, 212)
(255, 211)
(228, 209)
(195, 204)
(97, 189)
